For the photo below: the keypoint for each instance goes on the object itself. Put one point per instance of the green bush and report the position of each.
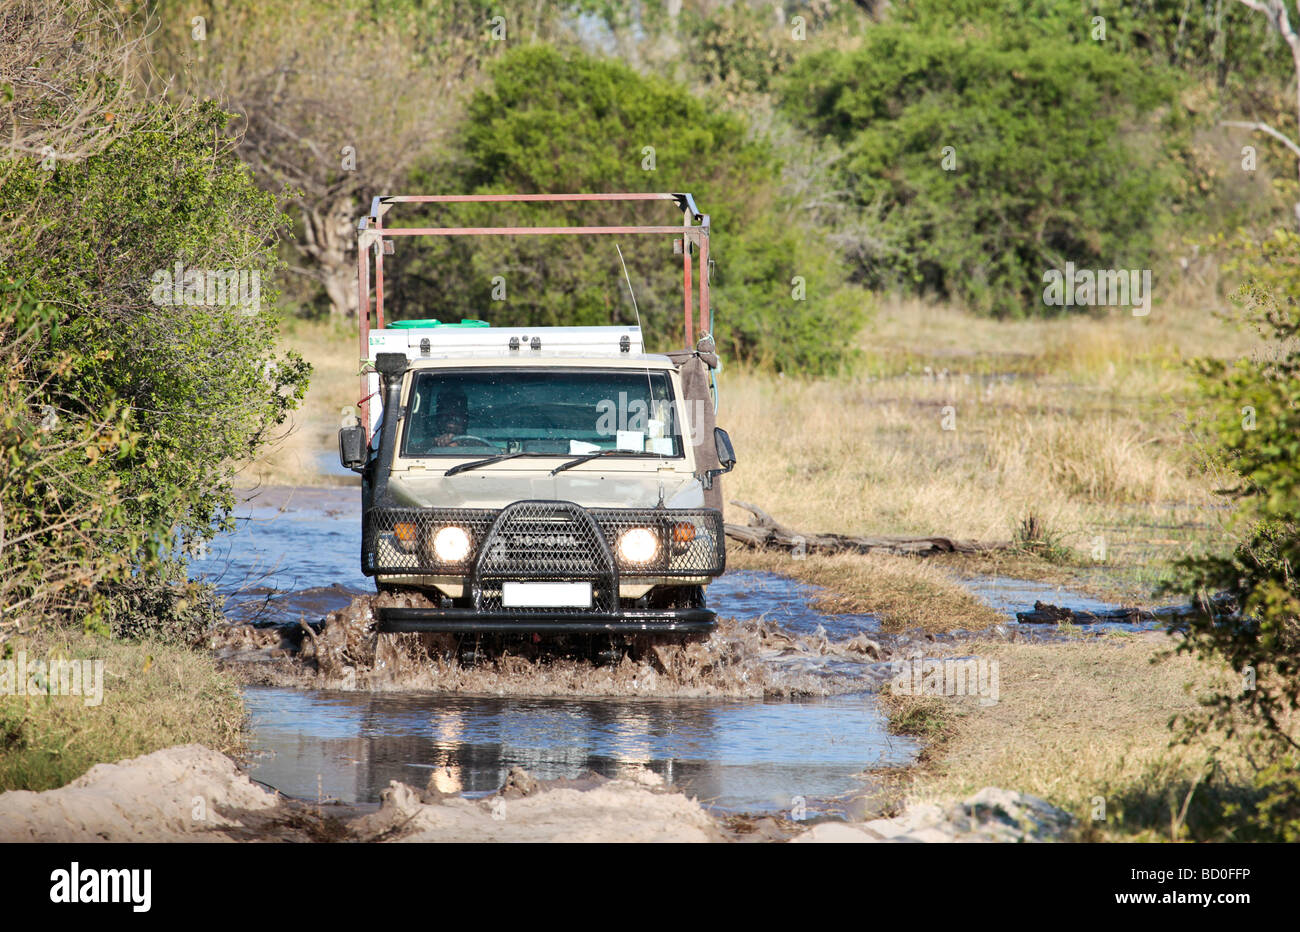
(201, 385)
(126, 418)
(66, 531)
(1250, 597)
(564, 122)
(164, 607)
(1057, 154)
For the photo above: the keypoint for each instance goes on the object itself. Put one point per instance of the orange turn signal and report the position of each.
(405, 532)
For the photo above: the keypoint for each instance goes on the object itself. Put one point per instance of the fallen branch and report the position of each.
(1263, 128)
(1046, 614)
(764, 533)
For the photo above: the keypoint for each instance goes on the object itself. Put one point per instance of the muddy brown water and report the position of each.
(295, 556)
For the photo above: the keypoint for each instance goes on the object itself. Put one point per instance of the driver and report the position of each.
(452, 418)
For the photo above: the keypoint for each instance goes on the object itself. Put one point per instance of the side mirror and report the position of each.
(726, 454)
(352, 447)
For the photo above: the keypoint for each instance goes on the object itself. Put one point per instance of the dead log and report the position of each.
(765, 533)
(1046, 614)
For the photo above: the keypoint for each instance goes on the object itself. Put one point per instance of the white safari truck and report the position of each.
(548, 480)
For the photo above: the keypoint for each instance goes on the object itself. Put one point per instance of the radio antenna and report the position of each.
(649, 389)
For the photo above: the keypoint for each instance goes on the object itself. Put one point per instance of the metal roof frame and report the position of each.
(375, 240)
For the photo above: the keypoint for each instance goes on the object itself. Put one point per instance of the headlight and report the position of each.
(638, 545)
(451, 545)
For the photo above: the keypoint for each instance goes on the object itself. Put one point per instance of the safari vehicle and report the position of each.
(547, 480)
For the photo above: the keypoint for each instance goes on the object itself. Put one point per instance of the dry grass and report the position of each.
(903, 592)
(1082, 423)
(1081, 722)
(154, 696)
(294, 458)
(1102, 348)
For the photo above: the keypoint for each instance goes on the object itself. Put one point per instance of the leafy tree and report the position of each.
(738, 46)
(336, 103)
(1055, 155)
(551, 122)
(1218, 40)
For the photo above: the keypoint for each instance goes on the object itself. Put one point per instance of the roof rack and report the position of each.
(375, 240)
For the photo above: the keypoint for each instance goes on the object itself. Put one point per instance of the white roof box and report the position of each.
(447, 341)
(520, 342)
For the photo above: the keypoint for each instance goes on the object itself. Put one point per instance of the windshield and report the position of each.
(560, 412)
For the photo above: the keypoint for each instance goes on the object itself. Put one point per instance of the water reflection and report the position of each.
(743, 756)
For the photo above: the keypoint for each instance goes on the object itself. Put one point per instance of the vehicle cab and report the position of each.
(548, 479)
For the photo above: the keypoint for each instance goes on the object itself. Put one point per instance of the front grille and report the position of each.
(544, 540)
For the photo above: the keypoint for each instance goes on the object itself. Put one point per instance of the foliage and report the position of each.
(126, 411)
(556, 123)
(163, 606)
(1055, 155)
(1223, 42)
(738, 46)
(200, 386)
(1250, 597)
(48, 106)
(332, 109)
(65, 525)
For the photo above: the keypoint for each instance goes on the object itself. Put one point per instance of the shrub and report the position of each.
(1250, 597)
(123, 420)
(1056, 155)
(565, 122)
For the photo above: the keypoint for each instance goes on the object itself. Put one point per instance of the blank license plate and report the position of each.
(546, 594)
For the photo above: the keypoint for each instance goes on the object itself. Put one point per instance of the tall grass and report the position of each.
(155, 696)
(962, 426)
(1082, 422)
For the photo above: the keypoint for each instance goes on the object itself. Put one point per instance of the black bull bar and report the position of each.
(540, 541)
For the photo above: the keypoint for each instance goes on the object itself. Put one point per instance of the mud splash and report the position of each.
(745, 658)
(742, 659)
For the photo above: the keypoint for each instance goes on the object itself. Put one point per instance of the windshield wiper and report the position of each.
(488, 461)
(591, 456)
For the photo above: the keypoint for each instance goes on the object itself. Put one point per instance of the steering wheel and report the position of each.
(480, 440)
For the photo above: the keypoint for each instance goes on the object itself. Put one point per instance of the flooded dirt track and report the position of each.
(778, 705)
(295, 554)
(294, 558)
(734, 756)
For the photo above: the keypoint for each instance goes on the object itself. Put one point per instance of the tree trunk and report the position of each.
(329, 244)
